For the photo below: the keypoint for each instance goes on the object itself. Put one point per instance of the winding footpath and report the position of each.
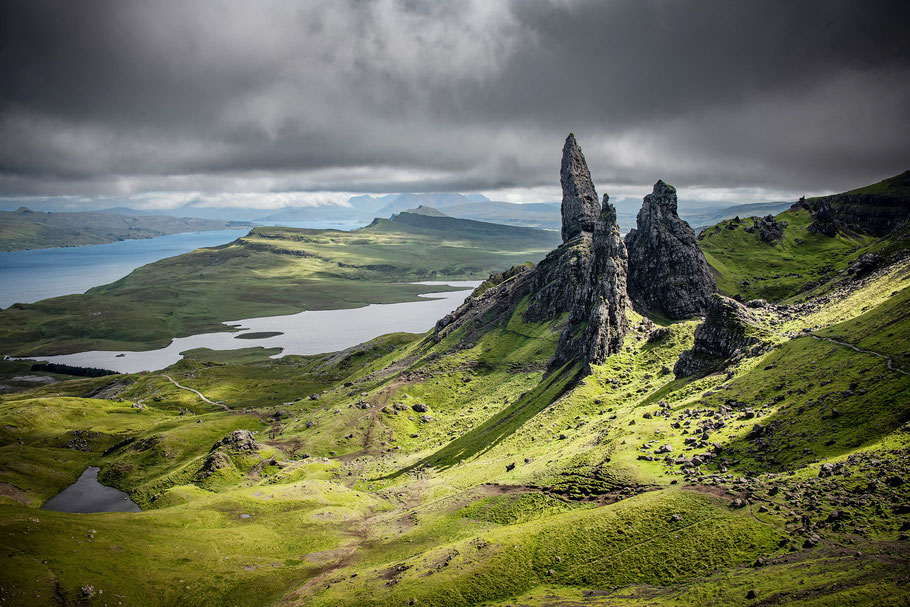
(197, 393)
(891, 364)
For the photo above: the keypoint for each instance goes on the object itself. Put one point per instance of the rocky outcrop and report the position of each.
(866, 264)
(238, 440)
(730, 331)
(875, 214)
(770, 230)
(580, 209)
(215, 461)
(597, 317)
(582, 280)
(668, 272)
(558, 277)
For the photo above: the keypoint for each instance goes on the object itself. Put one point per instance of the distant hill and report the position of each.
(437, 200)
(874, 209)
(810, 243)
(463, 206)
(27, 229)
(468, 229)
(124, 211)
(428, 211)
(544, 215)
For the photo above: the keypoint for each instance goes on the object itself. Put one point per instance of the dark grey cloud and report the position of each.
(126, 97)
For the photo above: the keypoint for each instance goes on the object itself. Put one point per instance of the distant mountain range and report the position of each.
(365, 208)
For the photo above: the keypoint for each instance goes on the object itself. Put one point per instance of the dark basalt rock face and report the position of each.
(580, 209)
(597, 317)
(668, 273)
(558, 277)
(730, 330)
(584, 278)
(875, 214)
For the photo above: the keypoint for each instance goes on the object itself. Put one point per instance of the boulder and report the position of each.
(865, 264)
(770, 231)
(730, 331)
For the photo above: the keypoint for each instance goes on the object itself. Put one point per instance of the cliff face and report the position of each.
(877, 209)
(586, 275)
(729, 330)
(668, 273)
(875, 214)
(580, 209)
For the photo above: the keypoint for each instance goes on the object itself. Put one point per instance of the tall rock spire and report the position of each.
(580, 208)
(606, 309)
(668, 273)
(597, 318)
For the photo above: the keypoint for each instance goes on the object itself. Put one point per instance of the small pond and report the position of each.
(88, 495)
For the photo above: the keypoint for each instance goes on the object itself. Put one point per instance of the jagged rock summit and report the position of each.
(580, 208)
(668, 272)
(585, 278)
(729, 330)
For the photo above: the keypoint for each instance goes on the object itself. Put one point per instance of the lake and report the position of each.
(30, 276)
(311, 332)
(88, 495)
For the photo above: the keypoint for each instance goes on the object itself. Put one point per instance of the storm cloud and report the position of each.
(131, 98)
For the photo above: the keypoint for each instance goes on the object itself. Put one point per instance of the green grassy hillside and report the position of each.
(745, 265)
(270, 271)
(410, 471)
(800, 261)
(458, 468)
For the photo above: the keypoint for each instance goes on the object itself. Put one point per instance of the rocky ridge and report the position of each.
(668, 272)
(875, 212)
(592, 279)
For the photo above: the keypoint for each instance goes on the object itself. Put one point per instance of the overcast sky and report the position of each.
(274, 103)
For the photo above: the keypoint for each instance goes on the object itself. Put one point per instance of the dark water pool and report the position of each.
(88, 495)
